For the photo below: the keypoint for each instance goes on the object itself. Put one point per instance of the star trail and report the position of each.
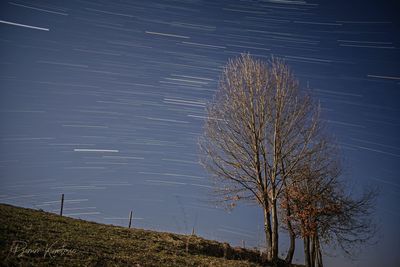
(104, 101)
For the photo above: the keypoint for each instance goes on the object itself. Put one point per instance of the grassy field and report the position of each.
(31, 238)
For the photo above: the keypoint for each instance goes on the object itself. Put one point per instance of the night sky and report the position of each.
(104, 101)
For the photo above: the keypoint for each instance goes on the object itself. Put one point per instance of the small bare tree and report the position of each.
(321, 210)
(259, 128)
(311, 196)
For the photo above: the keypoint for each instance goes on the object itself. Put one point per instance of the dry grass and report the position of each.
(26, 235)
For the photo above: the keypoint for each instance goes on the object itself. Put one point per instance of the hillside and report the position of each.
(31, 237)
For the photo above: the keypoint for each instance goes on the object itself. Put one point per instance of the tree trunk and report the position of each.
(267, 230)
(275, 236)
(307, 260)
(312, 252)
(318, 262)
(290, 253)
(292, 235)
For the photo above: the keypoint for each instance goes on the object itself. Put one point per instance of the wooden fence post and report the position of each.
(62, 204)
(130, 220)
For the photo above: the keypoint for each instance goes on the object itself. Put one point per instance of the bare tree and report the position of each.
(322, 210)
(352, 225)
(259, 128)
(311, 196)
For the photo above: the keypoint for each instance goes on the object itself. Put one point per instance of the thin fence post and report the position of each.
(130, 220)
(62, 204)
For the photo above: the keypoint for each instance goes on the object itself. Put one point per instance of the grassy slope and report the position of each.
(104, 245)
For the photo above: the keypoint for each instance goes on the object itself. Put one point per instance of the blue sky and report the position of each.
(104, 101)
